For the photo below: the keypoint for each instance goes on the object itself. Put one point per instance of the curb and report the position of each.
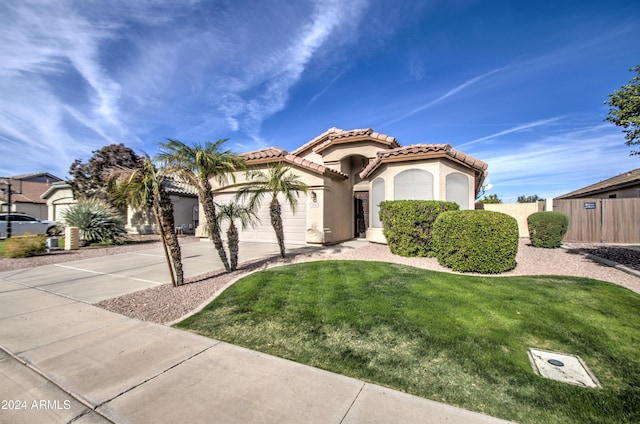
(612, 264)
(607, 262)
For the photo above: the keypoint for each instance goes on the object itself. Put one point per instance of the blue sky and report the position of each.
(520, 85)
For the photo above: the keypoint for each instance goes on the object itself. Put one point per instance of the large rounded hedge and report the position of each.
(476, 241)
(547, 229)
(407, 224)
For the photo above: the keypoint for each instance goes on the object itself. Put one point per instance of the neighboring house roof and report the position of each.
(179, 188)
(628, 179)
(42, 176)
(275, 154)
(426, 151)
(335, 136)
(30, 192)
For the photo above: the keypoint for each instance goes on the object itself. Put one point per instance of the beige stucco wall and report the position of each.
(338, 211)
(439, 169)
(338, 152)
(58, 202)
(321, 228)
(520, 211)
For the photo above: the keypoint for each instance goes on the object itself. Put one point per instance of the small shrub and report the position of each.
(476, 241)
(547, 229)
(97, 221)
(25, 246)
(407, 224)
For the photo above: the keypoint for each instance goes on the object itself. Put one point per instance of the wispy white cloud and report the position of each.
(516, 129)
(247, 102)
(553, 165)
(77, 75)
(445, 96)
(44, 42)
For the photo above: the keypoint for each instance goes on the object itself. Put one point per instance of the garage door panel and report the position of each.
(294, 223)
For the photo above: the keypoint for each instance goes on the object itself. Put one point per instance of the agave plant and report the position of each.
(97, 221)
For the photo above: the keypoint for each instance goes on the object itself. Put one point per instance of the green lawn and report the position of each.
(452, 338)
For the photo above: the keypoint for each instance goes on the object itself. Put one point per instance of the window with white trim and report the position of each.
(413, 184)
(458, 189)
(377, 196)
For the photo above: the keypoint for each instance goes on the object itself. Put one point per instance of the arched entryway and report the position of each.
(352, 165)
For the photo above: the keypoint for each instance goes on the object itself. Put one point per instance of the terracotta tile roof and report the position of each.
(315, 167)
(337, 136)
(627, 179)
(181, 188)
(275, 154)
(422, 151)
(30, 192)
(266, 153)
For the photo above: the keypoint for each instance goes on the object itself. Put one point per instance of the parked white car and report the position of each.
(22, 224)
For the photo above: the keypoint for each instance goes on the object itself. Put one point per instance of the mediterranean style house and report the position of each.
(349, 173)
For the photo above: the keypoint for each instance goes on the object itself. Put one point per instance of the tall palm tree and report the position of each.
(231, 212)
(197, 164)
(142, 189)
(277, 180)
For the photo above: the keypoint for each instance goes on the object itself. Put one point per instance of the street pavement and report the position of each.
(64, 360)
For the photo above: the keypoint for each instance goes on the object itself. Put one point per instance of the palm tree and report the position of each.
(197, 164)
(142, 188)
(279, 179)
(230, 212)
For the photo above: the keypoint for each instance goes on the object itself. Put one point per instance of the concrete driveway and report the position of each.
(96, 279)
(63, 360)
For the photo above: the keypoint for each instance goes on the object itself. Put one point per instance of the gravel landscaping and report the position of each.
(166, 304)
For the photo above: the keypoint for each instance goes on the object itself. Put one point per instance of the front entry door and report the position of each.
(361, 213)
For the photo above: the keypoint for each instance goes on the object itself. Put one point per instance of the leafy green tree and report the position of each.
(529, 199)
(88, 179)
(625, 110)
(492, 198)
(197, 164)
(277, 180)
(143, 189)
(231, 212)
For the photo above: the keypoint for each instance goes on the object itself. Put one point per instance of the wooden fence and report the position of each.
(601, 220)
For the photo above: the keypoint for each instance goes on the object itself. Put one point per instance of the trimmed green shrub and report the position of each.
(476, 241)
(25, 246)
(407, 224)
(547, 229)
(98, 222)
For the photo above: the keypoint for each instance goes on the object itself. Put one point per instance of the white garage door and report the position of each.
(294, 224)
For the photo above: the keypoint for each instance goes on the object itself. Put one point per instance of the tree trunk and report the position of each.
(232, 242)
(170, 238)
(209, 208)
(276, 223)
(163, 240)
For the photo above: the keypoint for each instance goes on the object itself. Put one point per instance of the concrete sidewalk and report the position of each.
(64, 360)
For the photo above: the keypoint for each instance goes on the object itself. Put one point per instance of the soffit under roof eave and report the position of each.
(331, 142)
